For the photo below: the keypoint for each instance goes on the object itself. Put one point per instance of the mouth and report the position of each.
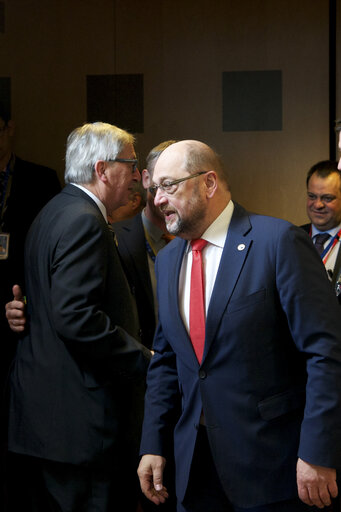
(318, 213)
(168, 214)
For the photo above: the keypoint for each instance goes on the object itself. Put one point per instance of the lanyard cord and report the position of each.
(327, 251)
(149, 246)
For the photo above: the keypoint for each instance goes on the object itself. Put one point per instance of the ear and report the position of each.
(100, 169)
(211, 182)
(136, 201)
(146, 178)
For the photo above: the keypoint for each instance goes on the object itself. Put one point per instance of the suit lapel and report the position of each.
(337, 267)
(176, 254)
(132, 244)
(234, 255)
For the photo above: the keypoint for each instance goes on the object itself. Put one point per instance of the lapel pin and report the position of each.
(241, 247)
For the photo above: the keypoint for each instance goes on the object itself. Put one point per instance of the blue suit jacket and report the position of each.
(270, 379)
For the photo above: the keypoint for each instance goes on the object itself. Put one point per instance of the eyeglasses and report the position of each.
(132, 161)
(169, 187)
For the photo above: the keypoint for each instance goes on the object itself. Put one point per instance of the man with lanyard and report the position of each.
(139, 240)
(25, 188)
(324, 212)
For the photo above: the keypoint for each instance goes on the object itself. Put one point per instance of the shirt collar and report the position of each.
(153, 231)
(332, 232)
(94, 198)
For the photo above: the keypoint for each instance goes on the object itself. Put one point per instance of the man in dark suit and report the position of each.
(338, 131)
(77, 381)
(258, 382)
(25, 187)
(324, 212)
(139, 241)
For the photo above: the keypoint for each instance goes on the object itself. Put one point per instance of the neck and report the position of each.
(155, 219)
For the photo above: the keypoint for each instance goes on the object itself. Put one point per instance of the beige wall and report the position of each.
(182, 48)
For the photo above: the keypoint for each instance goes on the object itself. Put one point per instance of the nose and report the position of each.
(136, 175)
(160, 198)
(319, 203)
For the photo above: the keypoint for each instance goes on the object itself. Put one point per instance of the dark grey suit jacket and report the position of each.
(77, 381)
(132, 248)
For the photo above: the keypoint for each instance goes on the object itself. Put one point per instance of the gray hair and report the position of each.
(154, 154)
(90, 143)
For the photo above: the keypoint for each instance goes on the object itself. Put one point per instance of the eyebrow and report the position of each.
(165, 178)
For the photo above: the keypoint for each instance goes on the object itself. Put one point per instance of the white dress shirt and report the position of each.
(215, 234)
(95, 198)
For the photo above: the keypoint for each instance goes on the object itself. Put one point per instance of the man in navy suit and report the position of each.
(260, 421)
(324, 212)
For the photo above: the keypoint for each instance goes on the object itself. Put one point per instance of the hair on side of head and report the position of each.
(90, 143)
(323, 169)
(155, 152)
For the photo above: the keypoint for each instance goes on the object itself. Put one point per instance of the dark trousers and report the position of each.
(205, 493)
(47, 486)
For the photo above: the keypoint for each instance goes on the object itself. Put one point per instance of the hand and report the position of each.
(15, 310)
(150, 472)
(316, 484)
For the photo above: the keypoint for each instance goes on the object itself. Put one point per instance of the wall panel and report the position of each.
(182, 48)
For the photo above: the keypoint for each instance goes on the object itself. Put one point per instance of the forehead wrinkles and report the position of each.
(328, 185)
(170, 167)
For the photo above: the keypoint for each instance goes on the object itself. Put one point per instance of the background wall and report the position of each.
(181, 48)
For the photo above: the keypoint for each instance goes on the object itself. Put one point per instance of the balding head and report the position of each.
(191, 188)
(194, 156)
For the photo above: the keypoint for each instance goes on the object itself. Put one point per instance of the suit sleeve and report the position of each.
(315, 323)
(162, 400)
(80, 290)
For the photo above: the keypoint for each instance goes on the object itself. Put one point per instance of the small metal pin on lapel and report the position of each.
(241, 247)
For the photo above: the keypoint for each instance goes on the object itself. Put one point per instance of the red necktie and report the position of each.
(197, 300)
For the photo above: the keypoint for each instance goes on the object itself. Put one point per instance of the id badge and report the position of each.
(4, 246)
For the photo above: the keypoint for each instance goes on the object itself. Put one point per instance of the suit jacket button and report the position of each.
(202, 374)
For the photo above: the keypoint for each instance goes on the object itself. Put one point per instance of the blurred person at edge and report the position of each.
(324, 211)
(25, 187)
